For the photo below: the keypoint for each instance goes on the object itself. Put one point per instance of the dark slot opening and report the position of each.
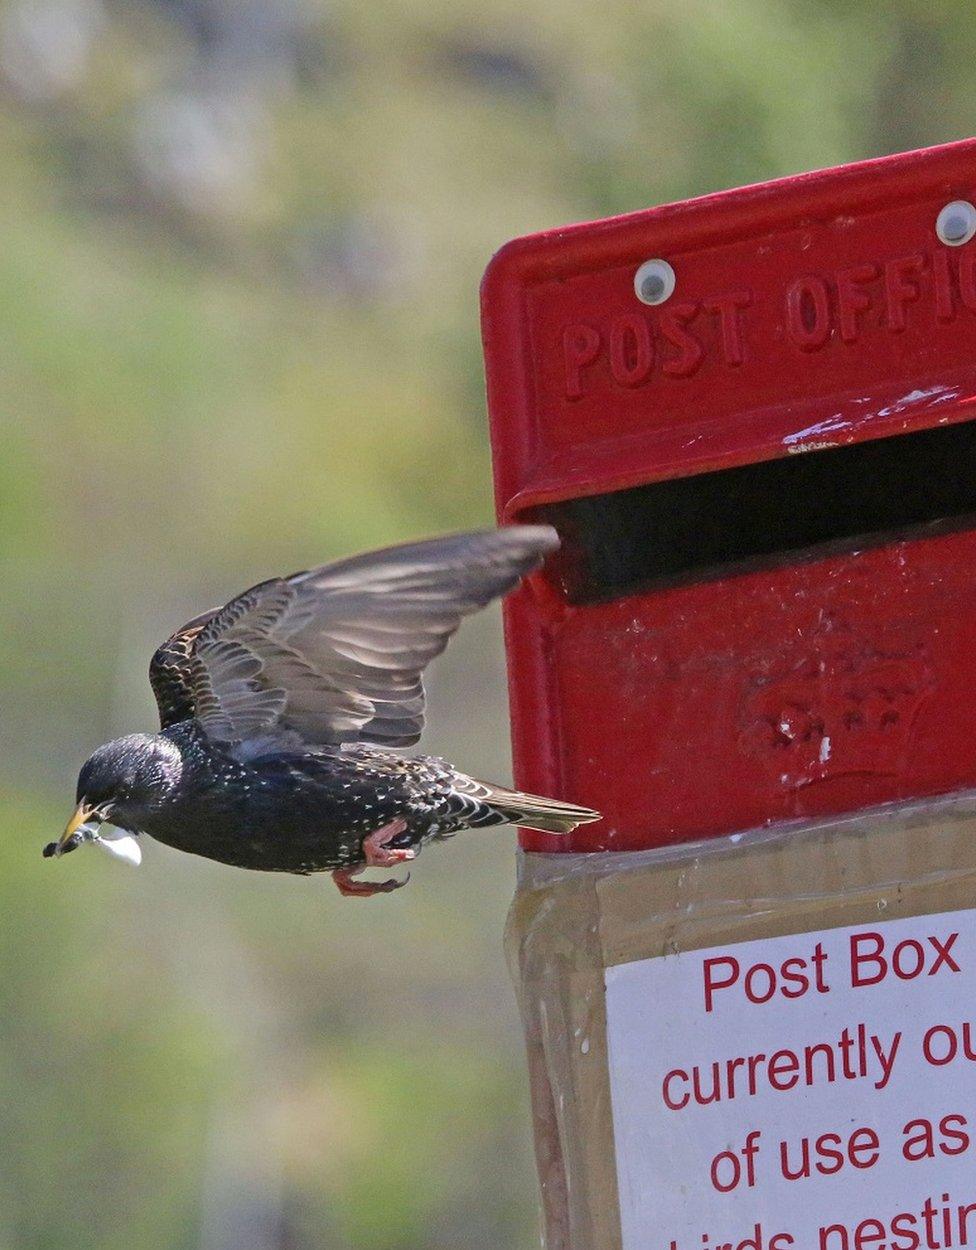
(734, 519)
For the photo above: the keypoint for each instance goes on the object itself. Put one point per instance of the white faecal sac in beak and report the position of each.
(118, 843)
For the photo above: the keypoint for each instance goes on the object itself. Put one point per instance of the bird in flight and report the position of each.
(280, 714)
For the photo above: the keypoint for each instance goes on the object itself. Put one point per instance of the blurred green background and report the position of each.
(240, 246)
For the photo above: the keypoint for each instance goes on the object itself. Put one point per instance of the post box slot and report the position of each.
(715, 523)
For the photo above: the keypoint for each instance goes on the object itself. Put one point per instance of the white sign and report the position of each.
(810, 1092)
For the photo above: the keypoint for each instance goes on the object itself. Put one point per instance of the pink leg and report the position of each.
(343, 877)
(378, 855)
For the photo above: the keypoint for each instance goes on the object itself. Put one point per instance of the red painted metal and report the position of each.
(809, 312)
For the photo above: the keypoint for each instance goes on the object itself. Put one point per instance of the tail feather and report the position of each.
(531, 811)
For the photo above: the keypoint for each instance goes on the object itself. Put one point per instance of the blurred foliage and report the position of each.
(241, 243)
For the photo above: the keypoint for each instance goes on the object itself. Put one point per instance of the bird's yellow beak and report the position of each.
(82, 814)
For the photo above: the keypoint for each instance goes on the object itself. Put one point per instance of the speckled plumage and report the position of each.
(309, 813)
(279, 713)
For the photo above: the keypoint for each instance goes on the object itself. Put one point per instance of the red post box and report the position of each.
(751, 419)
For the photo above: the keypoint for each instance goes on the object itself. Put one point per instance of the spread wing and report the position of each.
(336, 654)
(170, 672)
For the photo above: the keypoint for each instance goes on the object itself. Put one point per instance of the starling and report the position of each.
(281, 712)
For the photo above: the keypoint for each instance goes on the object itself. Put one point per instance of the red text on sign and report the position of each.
(759, 982)
(872, 961)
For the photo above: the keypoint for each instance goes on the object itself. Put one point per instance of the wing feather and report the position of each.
(336, 654)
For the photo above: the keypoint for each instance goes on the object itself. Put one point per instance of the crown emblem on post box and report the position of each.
(834, 717)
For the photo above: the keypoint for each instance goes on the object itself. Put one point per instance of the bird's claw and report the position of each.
(392, 883)
(348, 888)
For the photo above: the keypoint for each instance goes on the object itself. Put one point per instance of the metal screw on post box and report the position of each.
(654, 282)
(956, 223)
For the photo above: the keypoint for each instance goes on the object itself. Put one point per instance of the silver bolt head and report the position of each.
(654, 282)
(956, 223)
